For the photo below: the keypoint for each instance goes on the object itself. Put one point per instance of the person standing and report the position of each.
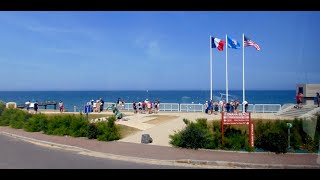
(221, 105)
(27, 104)
(101, 104)
(318, 99)
(245, 105)
(206, 107)
(216, 108)
(299, 100)
(209, 107)
(35, 107)
(156, 107)
(134, 107)
(61, 106)
(98, 106)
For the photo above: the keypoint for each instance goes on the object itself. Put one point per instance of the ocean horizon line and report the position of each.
(144, 90)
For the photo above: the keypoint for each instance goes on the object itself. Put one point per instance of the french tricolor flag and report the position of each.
(217, 43)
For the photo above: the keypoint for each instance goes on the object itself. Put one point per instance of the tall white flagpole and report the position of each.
(227, 69)
(210, 67)
(243, 93)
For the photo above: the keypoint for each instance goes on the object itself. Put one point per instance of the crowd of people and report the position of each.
(35, 106)
(223, 106)
(153, 107)
(146, 106)
(96, 105)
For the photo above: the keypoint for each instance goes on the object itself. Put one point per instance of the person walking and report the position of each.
(318, 99)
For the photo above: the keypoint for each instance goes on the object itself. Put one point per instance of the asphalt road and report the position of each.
(18, 154)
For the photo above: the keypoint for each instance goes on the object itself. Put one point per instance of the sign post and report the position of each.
(87, 110)
(238, 119)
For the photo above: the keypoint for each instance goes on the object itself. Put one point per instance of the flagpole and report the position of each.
(243, 93)
(210, 67)
(227, 96)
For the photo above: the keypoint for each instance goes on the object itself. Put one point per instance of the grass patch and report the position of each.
(159, 119)
(126, 131)
(90, 116)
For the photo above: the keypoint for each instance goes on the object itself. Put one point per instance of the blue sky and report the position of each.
(156, 50)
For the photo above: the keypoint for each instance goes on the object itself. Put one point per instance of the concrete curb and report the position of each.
(181, 162)
(247, 165)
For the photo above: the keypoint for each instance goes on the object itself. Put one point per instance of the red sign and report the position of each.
(238, 119)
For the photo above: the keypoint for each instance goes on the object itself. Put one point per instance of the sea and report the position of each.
(80, 98)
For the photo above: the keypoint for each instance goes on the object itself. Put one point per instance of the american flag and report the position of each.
(248, 42)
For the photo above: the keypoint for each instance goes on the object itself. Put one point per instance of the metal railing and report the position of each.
(172, 107)
(191, 108)
(176, 107)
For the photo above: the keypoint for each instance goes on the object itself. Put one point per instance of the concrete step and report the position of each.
(293, 112)
(302, 112)
(299, 112)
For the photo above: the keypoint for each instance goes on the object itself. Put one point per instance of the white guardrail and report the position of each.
(176, 107)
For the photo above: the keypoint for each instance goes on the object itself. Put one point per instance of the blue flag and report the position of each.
(232, 43)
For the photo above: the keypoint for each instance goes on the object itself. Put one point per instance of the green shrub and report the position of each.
(108, 131)
(195, 135)
(216, 143)
(2, 107)
(78, 126)
(59, 125)
(92, 131)
(14, 118)
(272, 136)
(235, 139)
(37, 123)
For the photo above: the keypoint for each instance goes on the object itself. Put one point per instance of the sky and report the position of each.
(156, 50)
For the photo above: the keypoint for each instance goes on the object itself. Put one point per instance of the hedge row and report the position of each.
(269, 136)
(72, 125)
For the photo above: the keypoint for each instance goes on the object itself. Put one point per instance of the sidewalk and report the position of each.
(154, 153)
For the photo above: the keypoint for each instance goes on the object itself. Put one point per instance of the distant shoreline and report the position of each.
(131, 90)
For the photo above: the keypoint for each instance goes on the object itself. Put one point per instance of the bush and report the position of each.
(108, 131)
(2, 107)
(194, 136)
(272, 136)
(92, 131)
(236, 139)
(216, 143)
(59, 125)
(78, 126)
(37, 123)
(14, 118)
